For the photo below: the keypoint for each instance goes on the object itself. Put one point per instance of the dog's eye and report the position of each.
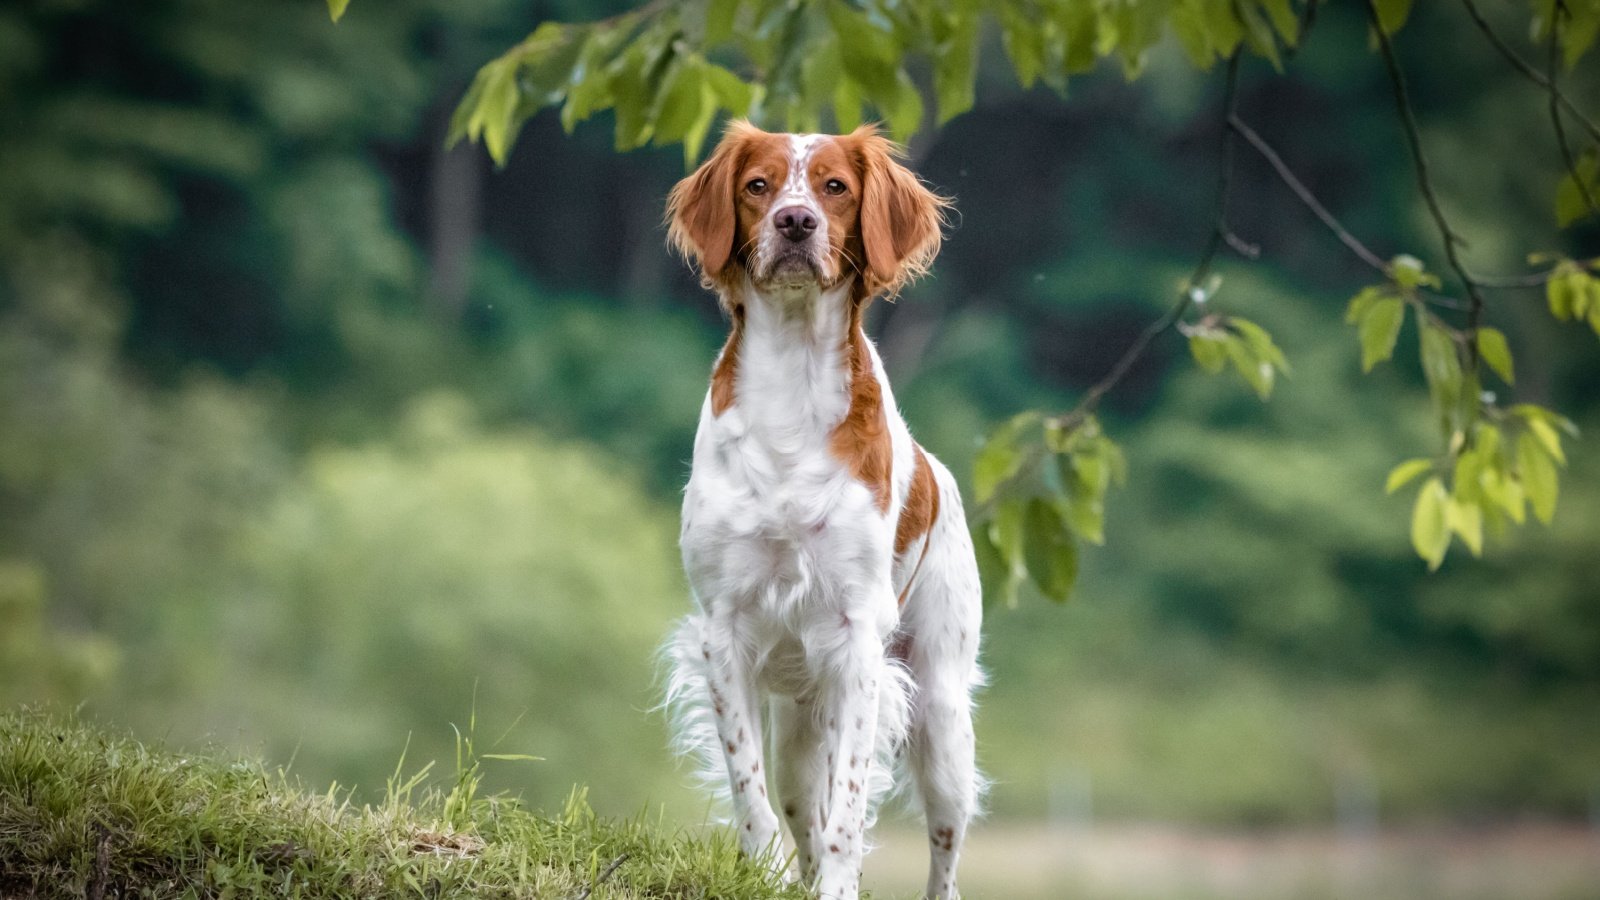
(757, 186)
(834, 187)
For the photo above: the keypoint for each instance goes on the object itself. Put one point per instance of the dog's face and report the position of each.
(793, 211)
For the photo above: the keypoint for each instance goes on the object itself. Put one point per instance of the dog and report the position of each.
(837, 598)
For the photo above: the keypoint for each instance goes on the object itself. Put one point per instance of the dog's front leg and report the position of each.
(849, 706)
(734, 701)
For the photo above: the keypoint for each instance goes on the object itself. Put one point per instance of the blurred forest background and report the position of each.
(314, 437)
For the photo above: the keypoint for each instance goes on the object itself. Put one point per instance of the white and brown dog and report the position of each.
(838, 599)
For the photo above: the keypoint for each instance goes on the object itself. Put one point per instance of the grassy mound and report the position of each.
(87, 814)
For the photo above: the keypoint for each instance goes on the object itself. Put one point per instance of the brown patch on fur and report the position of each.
(861, 441)
(722, 377)
(710, 215)
(901, 221)
(922, 503)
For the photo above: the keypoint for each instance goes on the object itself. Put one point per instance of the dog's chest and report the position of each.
(770, 509)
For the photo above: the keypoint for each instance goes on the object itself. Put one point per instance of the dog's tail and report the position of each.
(688, 708)
(887, 777)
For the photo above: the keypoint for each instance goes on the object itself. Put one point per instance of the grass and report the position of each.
(87, 814)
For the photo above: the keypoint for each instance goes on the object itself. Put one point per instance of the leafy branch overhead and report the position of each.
(667, 71)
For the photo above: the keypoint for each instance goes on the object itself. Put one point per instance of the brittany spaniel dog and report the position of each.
(835, 638)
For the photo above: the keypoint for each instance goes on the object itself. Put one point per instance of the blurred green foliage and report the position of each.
(1038, 482)
(262, 481)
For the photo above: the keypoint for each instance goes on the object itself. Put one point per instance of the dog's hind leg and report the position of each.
(943, 614)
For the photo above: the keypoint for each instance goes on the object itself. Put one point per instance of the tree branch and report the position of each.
(1309, 199)
(1424, 184)
(1528, 71)
(1557, 12)
(1220, 234)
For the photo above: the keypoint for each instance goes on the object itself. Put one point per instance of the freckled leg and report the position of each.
(941, 756)
(733, 701)
(849, 732)
(801, 777)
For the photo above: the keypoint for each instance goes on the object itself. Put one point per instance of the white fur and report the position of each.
(797, 583)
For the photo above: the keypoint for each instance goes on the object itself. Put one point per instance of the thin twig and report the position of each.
(1559, 10)
(1219, 235)
(1528, 71)
(1531, 280)
(1309, 199)
(600, 879)
(1425, 184)
(1287, 176)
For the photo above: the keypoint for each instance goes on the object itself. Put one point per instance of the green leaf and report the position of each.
(954, 70)
(1078, 25)
(1441, 366)
(1466, 520)
(731, 91)
(1189, 26)
(1210, 350)
(1051, 555)
(336, 9)
(1430, 526)
(547, 58)
(1496, 352)
(1582, 25)
(1508, 493)
(1402, 474)
(1022, 39)
(1379, 329)
(1006, 532)
(1547, 438)
(903, 110)
(1283, 19)
(1091, 471)
(1360, 303)
(678, 102)
(513, 757)
(1260, 342)
(632, 101)
(1565, 283)
(1001, 456)
(847, 101)
(1570, 202)
(496, 107)
(1392, 14)
(1258, 34)
(1468, 480)
(719, 20)
(590, 87)
(994, 464)
(1257, 372)
(868, 53)
(1086, 476)
(1529, 412)
(1409, 273)
(695, 136)
(1537, 473)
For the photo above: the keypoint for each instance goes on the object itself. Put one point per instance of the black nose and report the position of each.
(795, 223)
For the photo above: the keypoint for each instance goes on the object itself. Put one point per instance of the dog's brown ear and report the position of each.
(701, 217)
(901, 220)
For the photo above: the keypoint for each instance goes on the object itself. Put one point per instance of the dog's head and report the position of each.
(793, 211)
